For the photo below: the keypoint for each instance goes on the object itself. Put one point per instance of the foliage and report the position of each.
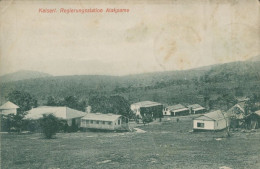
(69, 101)
(23, 99)
(147, 119)
(7, 122)
(16, 122)
(50, 125)
(12, 122)
(113, 104)
(228, 100)
(203, 86)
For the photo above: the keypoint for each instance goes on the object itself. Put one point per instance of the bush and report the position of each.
(7, 122)
(50, 125)
(147, 119)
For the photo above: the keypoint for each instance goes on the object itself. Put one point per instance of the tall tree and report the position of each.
(23, 99)
(51, 101)
(113, 104)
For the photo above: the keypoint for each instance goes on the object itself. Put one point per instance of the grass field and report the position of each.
(165, 145)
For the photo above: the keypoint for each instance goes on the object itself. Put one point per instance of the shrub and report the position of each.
(147, 119)
(50, 125)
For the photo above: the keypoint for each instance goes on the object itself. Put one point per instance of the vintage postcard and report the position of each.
(142, 84)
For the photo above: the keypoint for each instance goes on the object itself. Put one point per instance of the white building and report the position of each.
(211, 121)
(8, 108)
(104, 121)
(65, 113)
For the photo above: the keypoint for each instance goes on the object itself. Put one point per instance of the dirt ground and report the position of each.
(168, 144)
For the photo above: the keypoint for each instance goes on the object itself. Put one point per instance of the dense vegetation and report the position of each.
(209, 86)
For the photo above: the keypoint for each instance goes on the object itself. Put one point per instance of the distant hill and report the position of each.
(23, 75)
(188, 86)
(255, 58)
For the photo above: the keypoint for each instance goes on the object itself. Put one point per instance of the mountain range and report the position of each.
(22, 75)
(238, 78)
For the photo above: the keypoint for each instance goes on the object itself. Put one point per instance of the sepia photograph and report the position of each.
(129, 84)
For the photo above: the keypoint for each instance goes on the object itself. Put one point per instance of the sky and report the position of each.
(152, 36)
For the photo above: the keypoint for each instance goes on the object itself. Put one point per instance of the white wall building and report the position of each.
(211, 121)
(104, 121)
(8, 108)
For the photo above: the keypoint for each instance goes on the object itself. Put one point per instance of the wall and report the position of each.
(8, 111)
(166, 112)
(220, 124)
(208, 125)
(135, 109)
(180, 113)
(100, 125)
(199, 111)
(157, 111)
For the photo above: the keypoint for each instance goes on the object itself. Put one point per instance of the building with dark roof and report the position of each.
(147, 108)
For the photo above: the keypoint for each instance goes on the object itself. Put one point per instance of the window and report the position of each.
(91, 121)
(200, 125)
(87, 121)
(97, 122)
(109, 123)
(103, 122)
(118, 122)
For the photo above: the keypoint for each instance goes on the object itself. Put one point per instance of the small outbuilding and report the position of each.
(196, 109)
(72, 116)
(9, 108)
(237, 115)
(211, 121)
(147, 107)
(252, 120)
(104, 121)
(176, 110)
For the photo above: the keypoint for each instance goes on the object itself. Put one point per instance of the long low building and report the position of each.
(196, 109)
(104, 121)
(210, 121)
(176, 110)
(65, 113)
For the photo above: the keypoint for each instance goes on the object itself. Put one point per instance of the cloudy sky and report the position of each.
(154, 36)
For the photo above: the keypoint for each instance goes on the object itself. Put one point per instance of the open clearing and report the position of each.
(165, 145)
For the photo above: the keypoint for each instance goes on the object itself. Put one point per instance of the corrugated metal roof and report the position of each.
(101, 117)
(195, 106)
(60, 112)
(176, 107)
(257, 112)
(9, 105)
(147, 104)
(200, 108)
(241, 105)
(215, 115)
